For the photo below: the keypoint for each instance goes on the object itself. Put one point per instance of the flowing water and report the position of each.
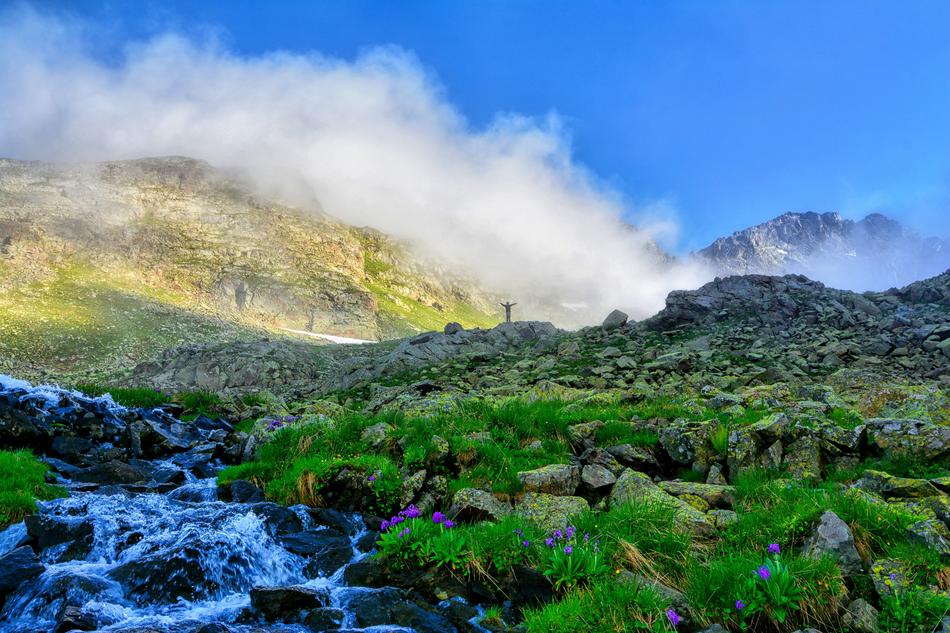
(168, 562)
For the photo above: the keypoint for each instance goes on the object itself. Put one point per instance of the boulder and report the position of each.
(17, 567)
(550, 512)
(890, 487)
(553, 479)
(287, 603)
(833, 538)
(49, 531)
(600, 457)
(452, 328)
(932, 534)
(889, 575)
(472, 505)
(326, 550)
(113, 472)
(635, 457)
(614, 320)
(802, 459)
(584, 434)
(376, 435)
(715, 496)
(74, 618)
(861, 617)
(325, 618)
(723, 518)
(596, 477)
(241, 491)
(908, 438)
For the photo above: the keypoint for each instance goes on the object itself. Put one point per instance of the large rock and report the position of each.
(77, 534)
(861, 617)
(553, 479)
(615, 320)
(635, 487)
(550, 512)
(890, 487)
(113, 472)
(910, 439)
(471, 504)
(596, 477)
(287, 604)
(325, 550)
(933, 534)
(16, 567)
(715, 496)
(833, 538)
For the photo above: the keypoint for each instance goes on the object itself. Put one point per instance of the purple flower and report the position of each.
(568, 550)
(449, 524)
(405, 532)
(570, 531)
(774, 548)
(438, 517)
(740, 605)
(764, 572)
(586, 537)
(673, 617)
(549, 542)
(372, 478)
(412, 512)
(558, 535)
(526, 543)
(519, 532)
(384, 526)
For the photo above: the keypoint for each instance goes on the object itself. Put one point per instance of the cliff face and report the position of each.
(157, 252)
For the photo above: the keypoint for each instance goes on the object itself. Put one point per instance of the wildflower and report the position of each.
(526, 543)
(764, 572)
(372, 478)
(570, 531)
(405, 532)
(412, 512)
(673, 617)
(740, 605)
(774, 548)
(519, 532)
(568, 550)
(438, 517)
(587, 537)
(549, 542)
(558, 535)
(384, 526)
(449, 524)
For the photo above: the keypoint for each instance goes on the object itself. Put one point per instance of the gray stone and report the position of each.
(550, 512)
(471, 504)
(615, 320)
(833, 538)
(861, 617)
(596, 477)
(453, 328)
(375, 435)
(554, 479)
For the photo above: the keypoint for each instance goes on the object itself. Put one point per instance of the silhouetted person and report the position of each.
(507, 307)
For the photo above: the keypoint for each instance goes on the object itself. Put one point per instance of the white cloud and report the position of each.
(375, 140)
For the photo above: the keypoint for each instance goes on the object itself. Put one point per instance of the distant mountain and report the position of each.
(870, 254)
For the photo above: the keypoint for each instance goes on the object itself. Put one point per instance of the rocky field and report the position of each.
(765, 454)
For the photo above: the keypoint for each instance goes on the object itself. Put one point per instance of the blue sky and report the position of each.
(733, 112)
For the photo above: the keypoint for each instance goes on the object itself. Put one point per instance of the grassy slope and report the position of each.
(82, 324)
(300, 460)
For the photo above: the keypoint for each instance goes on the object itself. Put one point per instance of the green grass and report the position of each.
(606, 607)
(128, 397)
(22, 484)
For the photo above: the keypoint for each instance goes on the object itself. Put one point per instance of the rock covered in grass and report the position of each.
(635, 487)
(471, 504)
(376, 435)
(833, 538)
(553, 479)
(550, 512)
